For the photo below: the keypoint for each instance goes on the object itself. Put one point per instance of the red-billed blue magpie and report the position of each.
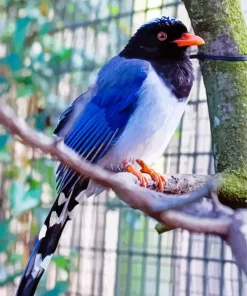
(130, 112)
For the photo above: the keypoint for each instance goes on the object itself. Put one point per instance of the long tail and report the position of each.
(61, 212)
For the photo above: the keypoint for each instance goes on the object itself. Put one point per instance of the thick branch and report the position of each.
(216, 221)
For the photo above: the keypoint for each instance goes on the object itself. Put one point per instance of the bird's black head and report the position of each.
(160, 39)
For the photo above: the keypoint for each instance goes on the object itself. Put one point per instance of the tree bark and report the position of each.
(221, 24)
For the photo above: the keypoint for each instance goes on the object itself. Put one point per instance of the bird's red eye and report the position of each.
(162, 36)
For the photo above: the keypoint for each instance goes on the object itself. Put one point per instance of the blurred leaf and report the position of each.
(33, 183)
(47, 42)
(46, 167)
(7, 31)
(41, 214)
(12, 172)
(40, 121)
(49, 171)
(113, 8)
(5, 157)
(162, 228)
(60, 261)
(23, 78)
(22, 200)
(13, 61)
(6, 277)
(6, 237)
(4, 85)
(64, 54)
(177, 133)
(26, 91)
(61, 287)
(71, 8)
(20, 33)
(3, 2)
(61, 55)
(14, 258)
(3, 140)
(34, 229)
(45, 28)
(65, 263)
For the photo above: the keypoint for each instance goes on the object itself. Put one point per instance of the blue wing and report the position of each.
(103, 119)
(90, 126)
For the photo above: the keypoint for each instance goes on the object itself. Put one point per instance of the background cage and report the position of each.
(119, 251)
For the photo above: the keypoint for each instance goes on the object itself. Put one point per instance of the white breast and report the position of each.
(152, 125)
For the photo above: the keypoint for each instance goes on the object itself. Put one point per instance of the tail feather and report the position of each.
(61, 212)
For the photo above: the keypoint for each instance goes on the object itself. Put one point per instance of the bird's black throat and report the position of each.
(177, 74)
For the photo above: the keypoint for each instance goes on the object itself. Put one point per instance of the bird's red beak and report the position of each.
(188, 39)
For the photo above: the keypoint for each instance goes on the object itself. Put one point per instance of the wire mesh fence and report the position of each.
(117, 249)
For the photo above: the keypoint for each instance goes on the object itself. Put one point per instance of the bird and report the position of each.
(125, 119)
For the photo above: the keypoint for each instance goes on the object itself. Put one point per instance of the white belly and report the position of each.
(152, 125)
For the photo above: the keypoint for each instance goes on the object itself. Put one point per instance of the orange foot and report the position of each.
(159, 179)
(129, 167)
(145, 169)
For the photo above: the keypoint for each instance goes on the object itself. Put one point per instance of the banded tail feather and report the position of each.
(62, 211)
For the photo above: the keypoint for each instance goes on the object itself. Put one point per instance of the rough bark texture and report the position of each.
(221, 24)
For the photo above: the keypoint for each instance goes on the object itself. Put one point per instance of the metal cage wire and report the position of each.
(119, 251)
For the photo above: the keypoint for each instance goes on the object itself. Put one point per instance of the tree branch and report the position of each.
(192, 212)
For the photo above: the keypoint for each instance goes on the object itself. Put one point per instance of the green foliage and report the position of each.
(20, 34)
(113, 8)
(66, 263)
(3, 140)
(4, 154)
(4, 84)
(23, 200)
(7, 276)
(29, 78)
(7, 238)
(162, 228)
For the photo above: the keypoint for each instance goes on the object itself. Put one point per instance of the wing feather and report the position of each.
(103, 119)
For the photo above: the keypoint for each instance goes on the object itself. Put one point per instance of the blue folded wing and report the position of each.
(103, 119)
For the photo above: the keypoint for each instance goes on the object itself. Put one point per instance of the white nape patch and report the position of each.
(42, 232)
(62, 199)
(53, 219)
(73, 212)
(36, 266)
(45, 263)
(151, 126)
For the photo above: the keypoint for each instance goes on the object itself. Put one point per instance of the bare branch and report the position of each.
(167, 202)
(192, 212)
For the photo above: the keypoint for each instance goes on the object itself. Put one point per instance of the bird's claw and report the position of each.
(159, 179)
(130, 168)
(145, 169)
